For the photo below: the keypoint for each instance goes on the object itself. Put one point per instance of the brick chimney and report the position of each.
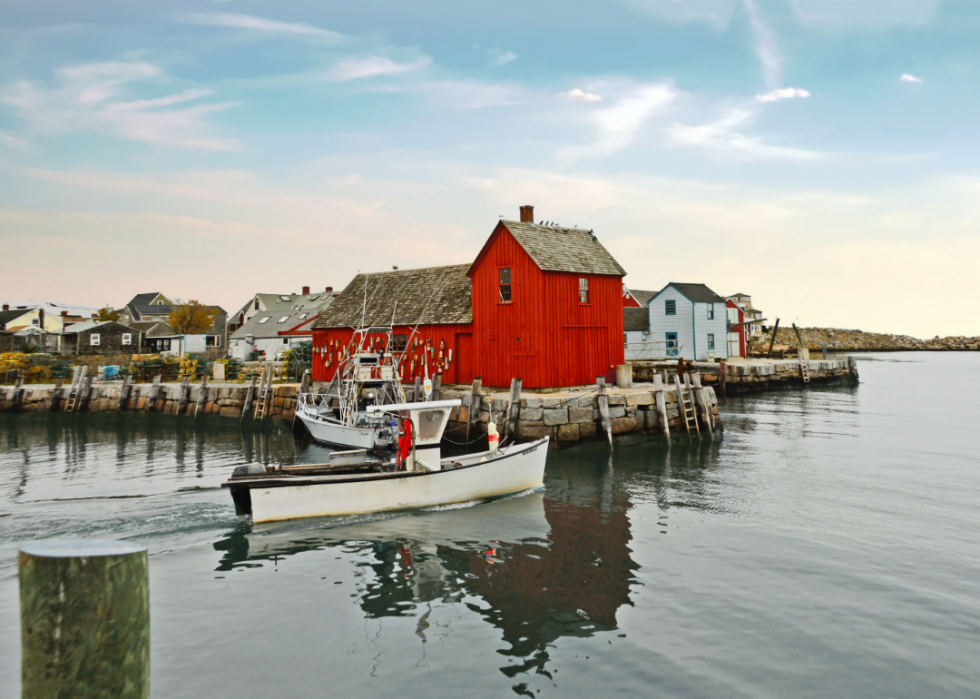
(6, 306)
(306, 290)
(64, 314)
(328, 290)
(527, 214)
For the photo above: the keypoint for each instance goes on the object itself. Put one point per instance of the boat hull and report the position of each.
(337, 435)
(519, 470)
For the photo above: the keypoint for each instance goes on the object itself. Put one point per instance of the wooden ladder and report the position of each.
(75, 392)
(265, 391)
(685, 403)
(805, 364)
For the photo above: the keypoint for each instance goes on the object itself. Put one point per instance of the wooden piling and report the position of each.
(473, 404)
(185, 395)
(661, 401)
(417, 390)
(249, 396)
(603, 402)
(85, 620)
(721, 378)
(125, 391)
(437, 387)
(151, 400)
(85, 391)
(514, 407)
(55, 396)
(202, 395)
(772, 342)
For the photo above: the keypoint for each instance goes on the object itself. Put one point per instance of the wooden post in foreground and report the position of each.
(437, 387)
(772, 342)
(84, 619)
(658, 394)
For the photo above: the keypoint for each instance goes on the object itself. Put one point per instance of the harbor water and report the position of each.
(827, 546)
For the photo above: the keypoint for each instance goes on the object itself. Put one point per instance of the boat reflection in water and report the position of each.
(545, 567)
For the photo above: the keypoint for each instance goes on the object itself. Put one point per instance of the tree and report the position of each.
(191, 318)
(107, 314)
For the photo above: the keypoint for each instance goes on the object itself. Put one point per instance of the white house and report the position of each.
(261, 333)
(682, 320)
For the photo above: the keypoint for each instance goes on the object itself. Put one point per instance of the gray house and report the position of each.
(260, 334)
(100, 337)
(680, 320)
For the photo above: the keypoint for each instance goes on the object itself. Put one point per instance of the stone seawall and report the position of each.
(756, 374)
(566, 417)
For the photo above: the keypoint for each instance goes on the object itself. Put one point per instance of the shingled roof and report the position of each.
(636, 319)
(643, 297)
(433, 295)
(557, 249)
(698, 293)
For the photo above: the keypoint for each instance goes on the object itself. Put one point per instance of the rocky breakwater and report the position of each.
(572, 416)
(860, 341)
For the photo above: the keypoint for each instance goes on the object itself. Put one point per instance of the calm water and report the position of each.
(826, 547)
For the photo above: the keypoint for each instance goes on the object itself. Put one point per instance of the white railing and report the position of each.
(653, 349)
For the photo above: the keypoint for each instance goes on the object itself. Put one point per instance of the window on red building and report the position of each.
(505, 296)
(583, 290)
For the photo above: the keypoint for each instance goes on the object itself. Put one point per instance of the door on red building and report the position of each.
(464, 358)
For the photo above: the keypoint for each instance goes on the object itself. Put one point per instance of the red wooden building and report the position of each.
(541, 303)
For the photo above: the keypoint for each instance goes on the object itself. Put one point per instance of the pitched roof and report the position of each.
(557, 249)
(643, 297)
(152, 328)
(8, 316)
(636, 319)
(434, 295)
(314, 301)
(266, 324)
(698, 293)
(91, 325)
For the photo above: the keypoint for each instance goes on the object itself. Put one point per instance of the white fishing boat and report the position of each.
(368, 377)
(412, 475)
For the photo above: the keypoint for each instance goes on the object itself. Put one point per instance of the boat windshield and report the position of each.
(430, 424)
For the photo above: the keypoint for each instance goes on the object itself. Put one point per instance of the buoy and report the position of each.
(493, 437)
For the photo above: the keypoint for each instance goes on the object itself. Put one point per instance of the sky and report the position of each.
(820, 155)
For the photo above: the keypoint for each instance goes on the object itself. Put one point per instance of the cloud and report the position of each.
(909, 78)
(785, 93)
(723, 135)
(578, 95)
(87, 99)
(374, 66)
(717, 13)
(238, 21)
(499, 57)
(618, 124)
(11, 141)
(866, 12)
(464, 94)
(766, 48)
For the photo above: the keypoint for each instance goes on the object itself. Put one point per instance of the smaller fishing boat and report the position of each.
(409, 474)
(367, 377)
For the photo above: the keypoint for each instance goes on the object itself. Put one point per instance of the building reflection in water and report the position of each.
(543, 566)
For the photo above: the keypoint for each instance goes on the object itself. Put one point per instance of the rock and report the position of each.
(531, 414)
(587, 430)
(551, 402)
(229, 412)
(577, 415)
(568, 433)
(556, 416)
(617, 400)
(623, 425)
(525, 431)
(530, 403)
(617, 412)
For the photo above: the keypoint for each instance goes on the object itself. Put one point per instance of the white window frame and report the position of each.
(583, 290)
(94, 340)
(127, 338)
(711, 311)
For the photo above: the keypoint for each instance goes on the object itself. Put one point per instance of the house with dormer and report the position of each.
(541, 302)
